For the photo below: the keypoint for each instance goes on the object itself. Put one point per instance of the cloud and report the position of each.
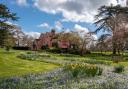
(80, 29)
(10, 23)
(83, 30)
(122, 2)
(73, 10)
(67, 30)
(35, 35)
(44, 25)
(58, 25)
(22, 2)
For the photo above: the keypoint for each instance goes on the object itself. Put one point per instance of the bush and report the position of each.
(7, 48)
(73, 51)
(21, 48)
(83, 69)
(45, 47)
(54, 50)
(29, 52)
(88, 52)
(119, 69)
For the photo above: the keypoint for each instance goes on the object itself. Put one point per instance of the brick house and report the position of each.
(63, 44)
(47, 39)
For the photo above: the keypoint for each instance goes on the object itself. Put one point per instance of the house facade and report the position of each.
(47, 40)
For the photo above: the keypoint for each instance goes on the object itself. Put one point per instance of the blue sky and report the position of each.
(42, 15)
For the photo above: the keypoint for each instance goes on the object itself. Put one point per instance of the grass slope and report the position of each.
(94, 56)
(11, 66)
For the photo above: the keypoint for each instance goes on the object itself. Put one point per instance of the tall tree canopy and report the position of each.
(5, 16)
(112, 19)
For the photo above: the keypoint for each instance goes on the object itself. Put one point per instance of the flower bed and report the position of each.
(79, 69)
(59, 79)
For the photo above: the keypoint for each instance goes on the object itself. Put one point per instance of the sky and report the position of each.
(39, 16)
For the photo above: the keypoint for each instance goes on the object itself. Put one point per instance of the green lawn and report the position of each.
(106, 57)
(11, 66)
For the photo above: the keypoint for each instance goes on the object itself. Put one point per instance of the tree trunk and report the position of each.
(101, 51)
(114, 46)
(118, 52)
(114, 50)
(82, 49)
(81, 53)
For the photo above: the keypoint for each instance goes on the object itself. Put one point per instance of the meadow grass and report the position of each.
(11, 66)
(106, 57)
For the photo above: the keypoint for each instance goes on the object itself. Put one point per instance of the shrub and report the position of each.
(29, 52)
(54, 50)
(45, 47)
(119, 69)
(73, 51)
(88, 52)
(80, 69)
(21, 48)
(7, 48)
(100, 70)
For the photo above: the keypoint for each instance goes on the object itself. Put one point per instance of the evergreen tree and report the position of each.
(5, 35)
(112, 19)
